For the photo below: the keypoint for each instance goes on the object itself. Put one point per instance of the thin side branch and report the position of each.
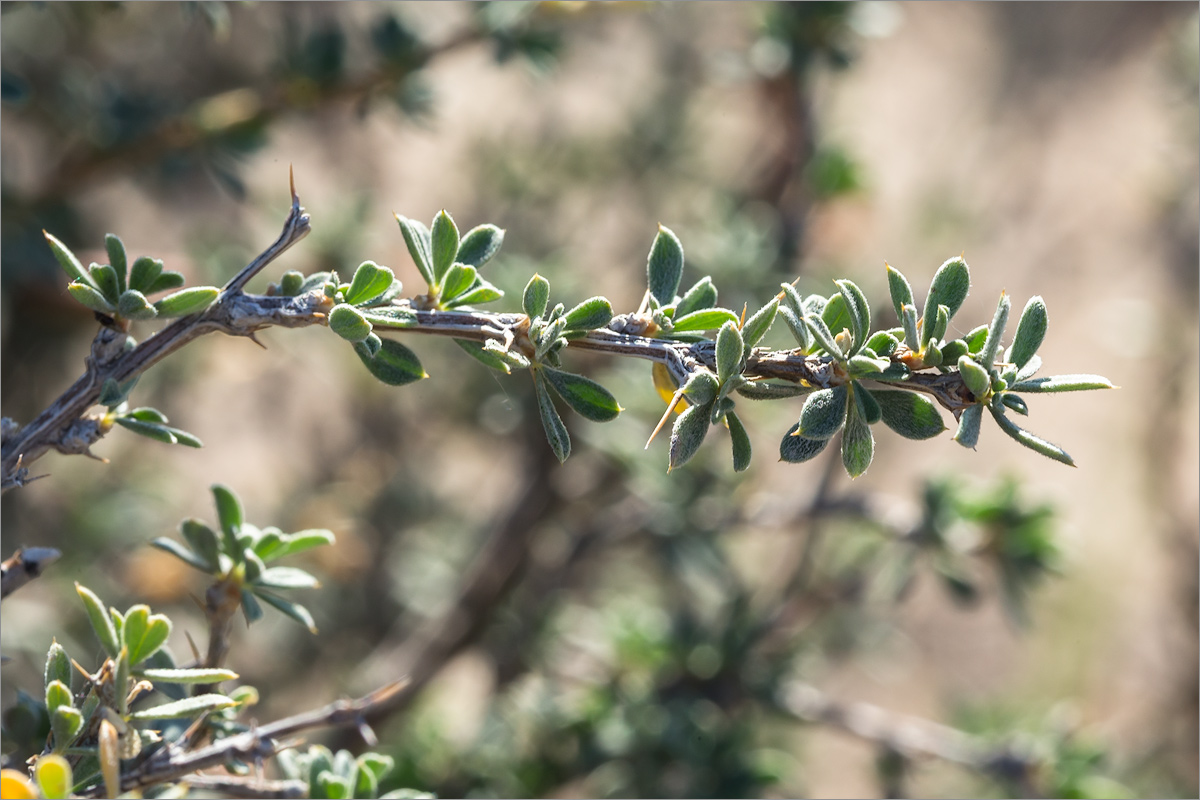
(23, 566)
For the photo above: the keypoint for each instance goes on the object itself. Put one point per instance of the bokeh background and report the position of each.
(1054, 144)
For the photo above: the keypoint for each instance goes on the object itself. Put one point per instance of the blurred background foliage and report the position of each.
(602, 628)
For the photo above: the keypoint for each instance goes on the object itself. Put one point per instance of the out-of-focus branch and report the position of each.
(250, 788)
(23, 566)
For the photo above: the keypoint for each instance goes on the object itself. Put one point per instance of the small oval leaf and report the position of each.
(1031, 330)
(417, 238)
(707, 319)
(349, 323)
(556, 431)
(394, 364)
(91, 297)
(188, 301)
(479, 245)
(443, 243)
(595, 312)
(909, 414)
(741, 442)
(102, 623)
(688, 434)
(823, 413)
(134, 305)
(185, 709)
(459, 278)
(588, 398)
(536, 296)
(702, 295)
(664, 266)
(796, 449)
(144, 273)
(370, 281)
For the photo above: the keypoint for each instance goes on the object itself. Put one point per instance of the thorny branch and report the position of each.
(23, 566)
(67, 427)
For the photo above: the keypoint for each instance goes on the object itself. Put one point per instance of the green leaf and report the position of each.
(145, 642)
(58, 694)
(701, 388)
(883, 343)
(161, 433)
(556, 431)
(459, 279)
(1030, 369)
(479, 245)
(796, 449)
(949, 288)
(376, 764)
(184, 676)
(688, 434)
(144, 273)
(185, 709)
(860, 312)
(369, 283)
(940, 326)
(182, 553)
(741, 442)
(588, 398)
(443, 244)
(909, 414)
(481, 292)
(705, 319)
(116, 257)
(862, 366)
(300, 541)
(287, 578)
(820, 332)
(418, 239)
(757, 326)
(823, 413)
(477, 351)
(66, 722)
(838, 317)
(1062, 383)
(968, 426)
(147, 414)
(953, 350)
(365, 783)
(536, 297)
(974, 376)
(134, 305)
(1031, 330)
(761, 390)
(595, 312)
(58, 664)
(290, 283)
(729, 353)
(991, 345)
(251, 609)
(230, 516)
(899, 289)
(105, 277)
(797, 327)
(394, 364)
(868, 408)
(701, 296)
(858, 445)
(188, 301)
(137, 621)
(664, 266)
(69, 263)
(333, 787)
(1034, 443)
(203, 541)
(293, 610)
(165, 281)
(349, 323)
(912, 338)
(92, 298)
(391, 317)
(1015, 402)
(102, 623)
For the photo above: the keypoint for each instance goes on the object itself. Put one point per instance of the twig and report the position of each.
(249, 788)
(174, 761)
(23, 566)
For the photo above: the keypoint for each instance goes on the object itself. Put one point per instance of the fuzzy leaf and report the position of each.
(116, 257)
(858, 445)
(860, 312)
(69, 263)
(757, 326)
(203, 541)
(188, 301)
(588, 398)
(185, 709)
(300, 541)
(390, 317)
(369, 283)
(479, 245)
(688, 434)
(477, 351)
(824, 338)
(741, 442)
(595, 312)
(66, 722)
(940, 325)
(760, 390)
(705, 319)
(730, 352)
(287, 578)
(229, 513)
(912, 338)
(536, 296)
(58, 664)
(556, 431)
(102, 623)
(949, 288)
(91, 298)
(105, 277)
(899, 289)
(481, 292)
(974, 376)
(165, 281)
(53, 774)
(797, 327)
(968, 426)
(664, 266)
(991, 345)
(443, 243)
(394, 364)
(701, 296)
(161, 433)
(1062, 383)
(909, 414)
(58, 694)
(1034, 443)
(1015, 402)
(953, 350)
(459, 279)
(349, 323)
(701, 388)
(1031, 330)
(134, 305)
(182, 553)
(188, 675)
(251, 609)
(293, 610)
(796, 449)
(144, 273)
(883, 344)
(417, 238)
(823, 413)
(868, 408)
(837, 316)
